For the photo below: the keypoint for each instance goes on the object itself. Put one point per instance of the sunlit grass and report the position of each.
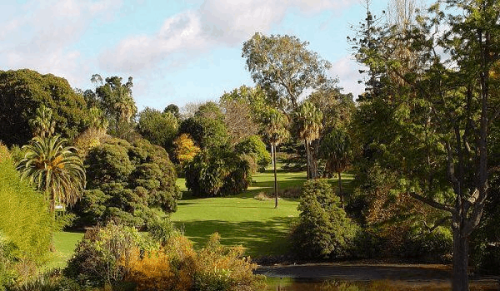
(64, 245)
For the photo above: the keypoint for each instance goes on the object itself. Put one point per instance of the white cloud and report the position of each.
(215, 23)
(39, 35)
(347, 71)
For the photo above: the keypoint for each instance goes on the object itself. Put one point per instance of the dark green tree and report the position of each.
(336, 150)
(23, 91)
(218, 172)
(157, 127)
(253, 145)
(324, 230)
(206, 127)
(125, 181)
(308, 122)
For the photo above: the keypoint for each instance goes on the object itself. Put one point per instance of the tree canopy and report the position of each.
(23, 91)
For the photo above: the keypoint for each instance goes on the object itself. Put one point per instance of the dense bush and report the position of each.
(324, 230)
(255, 146)
(100, 256)
(125, 181)
(117, 255)
(218, 172)
(430, 246)
(177, 266)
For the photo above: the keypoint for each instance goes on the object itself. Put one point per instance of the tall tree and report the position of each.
(308, 120)
(54, 169)
(442, 107)
(275, 132)
(283, 67)
(115, 99)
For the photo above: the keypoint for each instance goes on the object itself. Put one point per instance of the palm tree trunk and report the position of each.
(308, 154)
(341, 195)
(273, 150)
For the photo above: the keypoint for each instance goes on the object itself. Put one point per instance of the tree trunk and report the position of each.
(308, 154)
(273, 150)
(460, 257)
(341, 195)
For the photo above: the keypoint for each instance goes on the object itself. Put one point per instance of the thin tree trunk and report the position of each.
(308, 154)
(341, 195)
(460, 257)
(273, 150)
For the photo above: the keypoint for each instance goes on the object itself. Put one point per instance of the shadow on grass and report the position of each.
(259, 238)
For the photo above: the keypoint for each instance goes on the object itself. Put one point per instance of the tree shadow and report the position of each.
(258, 238)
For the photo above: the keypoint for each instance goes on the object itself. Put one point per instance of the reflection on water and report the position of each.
(289, 284)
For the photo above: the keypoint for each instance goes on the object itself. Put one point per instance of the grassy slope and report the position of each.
(241, 219)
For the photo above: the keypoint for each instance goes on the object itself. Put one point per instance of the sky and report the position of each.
(177, 52)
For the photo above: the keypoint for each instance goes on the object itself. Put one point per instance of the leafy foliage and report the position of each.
(23, 91)
(206, 127)
(217, 172)
(185, 149)
(177, 266)
(253, 145)
(157, 127)
(25, 223)
(324, 230)
(100, 256)
(125, 180)
(283, 67)
(56, 170)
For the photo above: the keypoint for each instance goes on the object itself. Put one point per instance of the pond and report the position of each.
(366, 277)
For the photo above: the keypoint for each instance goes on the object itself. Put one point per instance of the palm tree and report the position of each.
(43, 124)
(54, 169)
(125, 104)
(336, 149)
(275, 131)
(309, 121)
(97, 121)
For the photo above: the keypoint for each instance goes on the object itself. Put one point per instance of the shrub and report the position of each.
(177, 266)
(324, 230)
(224, 268)
(254, 145)
(171, 267)
(124, 181)
(218, 172)
(435, 245)
(102, 256)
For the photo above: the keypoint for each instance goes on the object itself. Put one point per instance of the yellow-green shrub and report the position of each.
(177, 266)
(169, 268)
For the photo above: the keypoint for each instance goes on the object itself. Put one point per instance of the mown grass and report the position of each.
(241, 219)
(64, 245)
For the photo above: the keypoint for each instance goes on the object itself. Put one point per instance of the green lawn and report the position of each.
(241, 219)
(64, 243)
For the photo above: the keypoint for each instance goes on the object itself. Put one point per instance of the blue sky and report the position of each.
(176, 51)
